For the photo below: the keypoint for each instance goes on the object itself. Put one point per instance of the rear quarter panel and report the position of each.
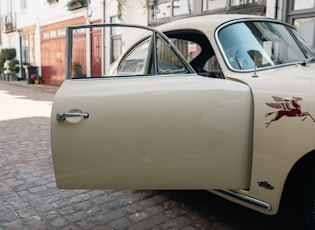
(278, 147)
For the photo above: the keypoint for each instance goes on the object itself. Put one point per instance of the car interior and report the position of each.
(201, 56)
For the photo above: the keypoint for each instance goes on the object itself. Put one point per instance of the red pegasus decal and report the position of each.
(288, 107)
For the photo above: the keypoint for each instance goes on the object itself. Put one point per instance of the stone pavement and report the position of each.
(29, 198)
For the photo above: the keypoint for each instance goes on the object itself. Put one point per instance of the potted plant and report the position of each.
(77, 70)
(76, 4)
(36, 78)
(14, 68)
(8, 53)
(8, 27)
(52, 1)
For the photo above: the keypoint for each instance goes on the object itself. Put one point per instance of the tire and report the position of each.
(309, 203)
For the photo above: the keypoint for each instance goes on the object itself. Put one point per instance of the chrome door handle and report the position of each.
(62, 116)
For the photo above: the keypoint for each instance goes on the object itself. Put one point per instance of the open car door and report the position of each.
(151, 128)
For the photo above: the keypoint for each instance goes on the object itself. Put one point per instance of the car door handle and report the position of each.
(62, 116)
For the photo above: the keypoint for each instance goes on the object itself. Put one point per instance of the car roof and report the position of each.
(203, 22)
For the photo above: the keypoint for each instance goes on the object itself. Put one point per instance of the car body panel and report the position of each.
(142, 133)
(237, 112)
(279, 146)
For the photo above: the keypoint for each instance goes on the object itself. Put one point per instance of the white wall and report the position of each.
(135, 12)
(273, 10)
(57, 12)
(270, 9)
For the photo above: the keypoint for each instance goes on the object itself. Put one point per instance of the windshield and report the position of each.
(264, 44)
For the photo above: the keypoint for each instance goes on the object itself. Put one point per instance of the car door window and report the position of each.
(135, 62)
(140, 60)
(168, 62)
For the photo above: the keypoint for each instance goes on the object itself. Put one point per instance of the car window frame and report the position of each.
(155, 33)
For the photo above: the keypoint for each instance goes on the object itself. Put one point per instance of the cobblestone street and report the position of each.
(29, 198)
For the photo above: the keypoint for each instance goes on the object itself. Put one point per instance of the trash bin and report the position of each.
(29, 71)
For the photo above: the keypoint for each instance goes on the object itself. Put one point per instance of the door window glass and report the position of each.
(168, 62)
(135, 62)
(212, 64)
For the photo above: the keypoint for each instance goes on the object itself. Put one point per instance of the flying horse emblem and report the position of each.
(288, 107)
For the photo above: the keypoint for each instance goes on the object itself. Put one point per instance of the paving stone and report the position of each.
(122, 223)
(139, 216)
(60, 222)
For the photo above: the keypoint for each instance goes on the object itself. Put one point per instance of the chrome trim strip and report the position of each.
(245, 198)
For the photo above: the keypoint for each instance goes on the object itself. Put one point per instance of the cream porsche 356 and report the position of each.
(224, 103)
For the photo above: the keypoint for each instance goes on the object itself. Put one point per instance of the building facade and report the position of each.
(37, 28)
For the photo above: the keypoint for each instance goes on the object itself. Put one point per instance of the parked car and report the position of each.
(224, 103)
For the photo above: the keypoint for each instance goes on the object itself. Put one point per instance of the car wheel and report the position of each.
(309, 204)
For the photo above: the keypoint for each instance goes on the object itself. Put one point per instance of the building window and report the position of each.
(242, 2)
(162, 11)
(28, 49)
(9, 22)
(306, 28)
(57, 33)
(23, 4)
(61, 32)
(171, 8)
(305, 4)
(210, 5)
(301, 14)
(45, 35)
(182, 7)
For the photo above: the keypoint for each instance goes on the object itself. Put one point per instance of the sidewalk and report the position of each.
(42, 87)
